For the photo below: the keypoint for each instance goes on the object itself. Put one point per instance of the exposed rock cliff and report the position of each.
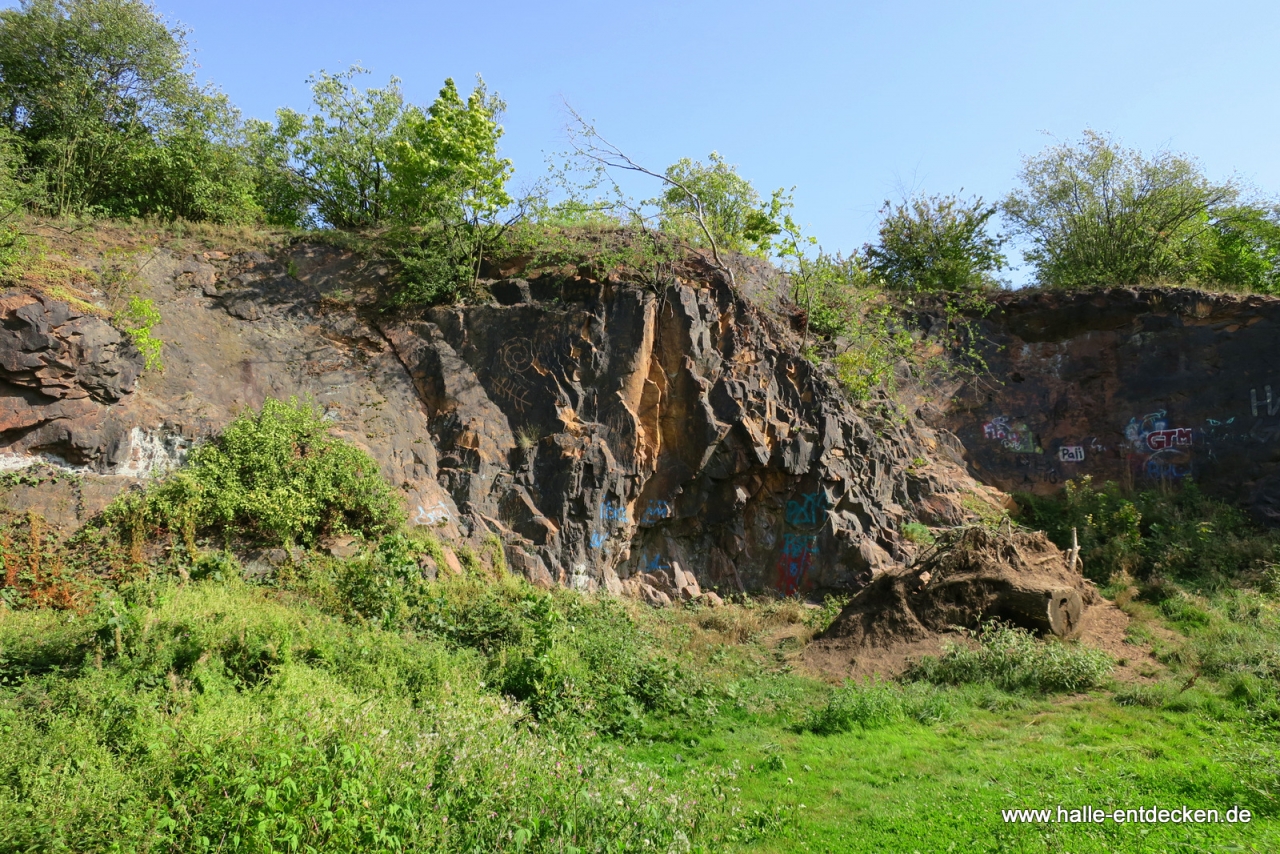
(662, 440)
(1133, 385)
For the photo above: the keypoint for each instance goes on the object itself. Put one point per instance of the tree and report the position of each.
(937, 243)
(1243, 249)
(1097, 213)
(445, 161)
(730, 205)
(110, 118)
(338, 154)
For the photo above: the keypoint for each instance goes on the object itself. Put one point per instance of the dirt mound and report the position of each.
(973, 575)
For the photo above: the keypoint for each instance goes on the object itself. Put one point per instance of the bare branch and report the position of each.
(587, 142)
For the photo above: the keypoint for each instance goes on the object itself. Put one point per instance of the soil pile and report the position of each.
(972, 575)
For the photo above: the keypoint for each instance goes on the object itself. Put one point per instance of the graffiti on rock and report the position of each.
(598, 539)
(655, 563)
(517, 355)
(1272, 406)
(1158, 451)
(435, 515)
(1015, 436)
(1071, 454)
(513, 392)
(1159, 440)
(612, 511)
(795, 560)
(809, 512)
(656, 511)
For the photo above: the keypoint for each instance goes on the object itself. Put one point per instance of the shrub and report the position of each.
(138, 318)
(1015, 660)
(276, 476)
(1096, 213)
(1181, 533)
(937, 243)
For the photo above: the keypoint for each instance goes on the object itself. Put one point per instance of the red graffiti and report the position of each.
(794, 564)
(1158, 440)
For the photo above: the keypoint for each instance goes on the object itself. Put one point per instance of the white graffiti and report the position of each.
(436, 515)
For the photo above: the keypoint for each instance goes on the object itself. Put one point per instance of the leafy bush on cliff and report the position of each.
(276, 475)
(101, 96)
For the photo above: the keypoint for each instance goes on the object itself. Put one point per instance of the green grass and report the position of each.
(940, 787)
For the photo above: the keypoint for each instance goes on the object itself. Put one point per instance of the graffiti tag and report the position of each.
(795, 560)
(656, 511)
(1272, 408)
(809, 511)
(434, 516)
(598, 539)
(1071, 453)
(1015, 436)
(1158, 440)
(611, 511)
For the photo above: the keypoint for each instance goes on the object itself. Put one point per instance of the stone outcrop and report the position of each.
(60, 370)
(665, 441)
(1141, 386)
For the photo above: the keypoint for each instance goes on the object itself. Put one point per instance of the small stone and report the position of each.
(451, 561)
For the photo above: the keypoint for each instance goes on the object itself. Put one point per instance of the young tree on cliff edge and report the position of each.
(937, 243)
(1097, 213)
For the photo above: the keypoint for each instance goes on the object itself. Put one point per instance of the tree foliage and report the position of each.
(1097, 213)
(737, 217)
(937, 243)
(102, 99)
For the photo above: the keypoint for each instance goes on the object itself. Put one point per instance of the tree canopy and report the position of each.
(1097, 213)
(100, 96)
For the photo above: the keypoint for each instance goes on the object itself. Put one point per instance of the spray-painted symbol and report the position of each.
(435, 515)
(517, 355)
(655, 563)
(1071, 453)
(656, 511)
(810, 511)
(517, 394)
(611, 511)
(1015, 436)
(598, 539)
(1272, 407)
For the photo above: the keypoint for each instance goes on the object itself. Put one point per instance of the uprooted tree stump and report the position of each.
(971, 576)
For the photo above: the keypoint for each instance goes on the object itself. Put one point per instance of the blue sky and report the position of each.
(852, 103)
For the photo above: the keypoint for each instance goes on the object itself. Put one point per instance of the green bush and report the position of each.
(211, 716)
(1013, 659)
(1182, 534)
(274, 476)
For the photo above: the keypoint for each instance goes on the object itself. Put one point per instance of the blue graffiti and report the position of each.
(656, 512)
(655, 563)
(611, 511)
(598, 539)
(808, 512)
(797, 545)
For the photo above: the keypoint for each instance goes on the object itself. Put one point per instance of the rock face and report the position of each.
(60, 370)
(665, 441)
(662, 441)
(1139, 386)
